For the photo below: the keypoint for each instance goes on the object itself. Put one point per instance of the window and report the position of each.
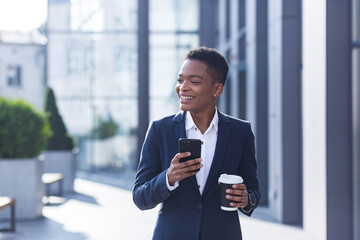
(74, 61)
(14, 76)
(125, 59)
(174, 30)
(80, 60)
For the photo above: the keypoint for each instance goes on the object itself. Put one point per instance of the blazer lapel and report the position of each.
(180, 132)
(222, 144)
(179, 122)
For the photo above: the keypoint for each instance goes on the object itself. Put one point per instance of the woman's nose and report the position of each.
(184, 85)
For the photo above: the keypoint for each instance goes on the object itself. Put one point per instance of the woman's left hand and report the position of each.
(238, 195)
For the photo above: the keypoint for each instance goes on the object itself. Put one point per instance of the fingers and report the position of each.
(176, 161)
(190, 163)
(239, 186)
(238, 189)
(189, 174)
(238, 195)
(179, 156)
(178, 174)
(193, 167)
(180, 170)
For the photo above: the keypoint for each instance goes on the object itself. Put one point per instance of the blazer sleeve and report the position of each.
(150, 187)
(248, 169)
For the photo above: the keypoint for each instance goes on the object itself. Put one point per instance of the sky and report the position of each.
(22, 15)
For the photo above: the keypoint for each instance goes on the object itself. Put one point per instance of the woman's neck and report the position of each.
(203, 119)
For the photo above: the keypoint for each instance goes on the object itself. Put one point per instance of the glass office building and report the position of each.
(92, 59)
(299, 87)
(294, 74)
(173, 30)
(93, 67)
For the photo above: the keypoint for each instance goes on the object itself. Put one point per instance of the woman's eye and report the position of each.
(194, 82)
(179, 80)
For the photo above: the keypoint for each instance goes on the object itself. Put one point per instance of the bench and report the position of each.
(50, 178)
(8, 202)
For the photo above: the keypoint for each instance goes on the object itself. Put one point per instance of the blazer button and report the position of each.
(199, 206)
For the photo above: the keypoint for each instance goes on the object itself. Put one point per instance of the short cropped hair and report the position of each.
(213, 59)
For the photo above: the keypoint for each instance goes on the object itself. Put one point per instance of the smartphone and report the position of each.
(190, 145)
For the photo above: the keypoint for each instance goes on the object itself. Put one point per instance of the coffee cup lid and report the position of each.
(230, 179)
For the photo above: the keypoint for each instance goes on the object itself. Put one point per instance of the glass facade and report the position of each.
(174, 27)
(95, 76)
(96, 88)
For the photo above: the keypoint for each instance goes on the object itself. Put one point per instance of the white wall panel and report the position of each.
(314, 118)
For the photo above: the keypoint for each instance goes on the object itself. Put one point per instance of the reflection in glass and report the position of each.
(174, 15)
(93, 71)
(174, 29)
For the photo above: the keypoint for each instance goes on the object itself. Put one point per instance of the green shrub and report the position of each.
(60, 140)
(23, 131)
(105, 129)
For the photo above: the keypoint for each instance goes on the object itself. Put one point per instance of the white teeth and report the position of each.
(186, 98)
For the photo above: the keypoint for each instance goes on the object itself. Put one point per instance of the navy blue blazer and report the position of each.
(185, 213)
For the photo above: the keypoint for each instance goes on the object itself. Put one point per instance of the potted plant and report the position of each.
(103, 142)
(23, 135)
(59, 156)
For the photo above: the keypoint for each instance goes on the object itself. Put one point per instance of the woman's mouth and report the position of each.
(185, 99)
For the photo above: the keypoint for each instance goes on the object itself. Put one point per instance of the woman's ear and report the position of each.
(219, 87)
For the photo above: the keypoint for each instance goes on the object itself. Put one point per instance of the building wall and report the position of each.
(339, 131)
(310, 95)
(250, 60)
(275, 79)
(356, 117)
(31, 59)
(314, 118)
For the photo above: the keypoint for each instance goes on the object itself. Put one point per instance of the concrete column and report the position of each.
(262, 99)
(222, 45)
(234, 58)
(314, 118)
(291, 112)
(250, 23)
(208, 34)
(275, 38)
(143, 71)
(285, 148)
(339, 137)
(356, 119)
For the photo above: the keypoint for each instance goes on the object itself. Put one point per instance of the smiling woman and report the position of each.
(22, 15)
(195, 88)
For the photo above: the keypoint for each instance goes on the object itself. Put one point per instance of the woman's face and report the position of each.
(196, 89)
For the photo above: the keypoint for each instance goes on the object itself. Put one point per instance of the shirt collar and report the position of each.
(189, 122)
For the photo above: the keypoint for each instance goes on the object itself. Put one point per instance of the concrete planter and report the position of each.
(63, 162)
(21, 179)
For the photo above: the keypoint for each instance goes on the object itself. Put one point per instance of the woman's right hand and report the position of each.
(180, 170)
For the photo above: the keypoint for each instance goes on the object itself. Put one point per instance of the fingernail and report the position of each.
(228, 191)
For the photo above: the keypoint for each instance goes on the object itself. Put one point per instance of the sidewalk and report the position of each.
(102, 209)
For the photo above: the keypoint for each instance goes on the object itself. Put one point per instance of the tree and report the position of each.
(60, 140)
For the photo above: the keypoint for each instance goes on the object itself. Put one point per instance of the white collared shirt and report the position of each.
(208, 139)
